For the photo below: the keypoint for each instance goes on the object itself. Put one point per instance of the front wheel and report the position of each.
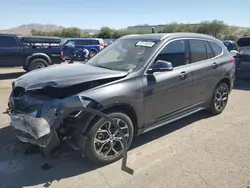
(220, 98)
(104, 143)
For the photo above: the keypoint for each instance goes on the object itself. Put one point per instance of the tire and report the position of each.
(219, 99)
(92, 53)
(92, 147)
(37, 64)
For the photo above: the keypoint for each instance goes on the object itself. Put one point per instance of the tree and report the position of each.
(105, 33)
(215, 28)
(71, 32)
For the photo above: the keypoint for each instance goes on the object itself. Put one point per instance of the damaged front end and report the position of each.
(39, 112)
(37, 118)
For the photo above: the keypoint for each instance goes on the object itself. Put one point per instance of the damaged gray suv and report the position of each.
(141, 81)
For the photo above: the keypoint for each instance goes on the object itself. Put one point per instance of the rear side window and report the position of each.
(7, 41)
(217, 50)
(87, 42)
(174, 52)
(198, 51)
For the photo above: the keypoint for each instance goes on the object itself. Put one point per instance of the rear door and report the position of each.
(10, 52)
(204, 68)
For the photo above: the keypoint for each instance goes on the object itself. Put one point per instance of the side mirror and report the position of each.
(234, 53)
(160, 66)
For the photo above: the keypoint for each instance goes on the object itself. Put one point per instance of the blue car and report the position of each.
(93, 45)
(230, 44)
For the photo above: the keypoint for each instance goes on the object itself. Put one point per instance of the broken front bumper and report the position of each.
(35, 120)
(40, 130)
(31, 129)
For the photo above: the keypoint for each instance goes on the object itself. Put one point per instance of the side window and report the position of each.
(209, 51)
(174, 52)
(217, 50)
(7, 41)
(70, 43)
(80, 42)
(198, 50)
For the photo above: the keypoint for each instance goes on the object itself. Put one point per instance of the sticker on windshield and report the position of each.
(145, 44)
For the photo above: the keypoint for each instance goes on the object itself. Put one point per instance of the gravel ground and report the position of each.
(198, 151)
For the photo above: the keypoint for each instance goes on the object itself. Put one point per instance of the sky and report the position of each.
(93, 14)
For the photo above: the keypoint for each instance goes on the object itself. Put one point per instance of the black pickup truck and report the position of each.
(29, 52)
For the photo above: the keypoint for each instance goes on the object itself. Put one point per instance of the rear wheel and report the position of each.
(104, 143)
(37, 64)
(220, 98)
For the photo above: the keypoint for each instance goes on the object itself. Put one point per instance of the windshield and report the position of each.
(246, 52)
(124, 54)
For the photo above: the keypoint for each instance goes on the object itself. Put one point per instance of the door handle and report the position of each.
(215, 65)
(183, 75)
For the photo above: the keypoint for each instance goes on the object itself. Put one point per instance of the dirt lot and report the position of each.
(198, 151)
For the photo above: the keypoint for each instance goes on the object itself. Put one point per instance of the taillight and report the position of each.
(62, 54)
(233, 61)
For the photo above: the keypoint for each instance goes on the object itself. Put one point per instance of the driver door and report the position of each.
(167, 92)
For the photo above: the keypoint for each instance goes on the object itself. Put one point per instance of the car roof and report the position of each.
(162, 36)
(42, 39)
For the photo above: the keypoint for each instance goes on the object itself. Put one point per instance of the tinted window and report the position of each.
(7, 41)
(209, 51)
(70, 43)
(198, 50)
(87, 42)
(174, 52)
(217, 50)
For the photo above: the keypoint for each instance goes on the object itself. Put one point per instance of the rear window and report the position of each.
(217, 50)
(7, 41)
(86, 42)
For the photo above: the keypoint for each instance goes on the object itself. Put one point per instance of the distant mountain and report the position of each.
(26, 29)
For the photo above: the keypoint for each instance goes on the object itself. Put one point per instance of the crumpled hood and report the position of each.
(65, 75)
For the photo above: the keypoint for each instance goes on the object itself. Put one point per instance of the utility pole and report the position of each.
(153, 30)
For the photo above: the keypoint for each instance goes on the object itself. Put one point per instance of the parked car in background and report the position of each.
(230, 44)
(93, 45)
(242, 57)
(106, 43)
(29, 52)
(141, 81)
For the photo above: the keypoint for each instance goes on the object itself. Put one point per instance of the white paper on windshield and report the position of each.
(145, 44)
